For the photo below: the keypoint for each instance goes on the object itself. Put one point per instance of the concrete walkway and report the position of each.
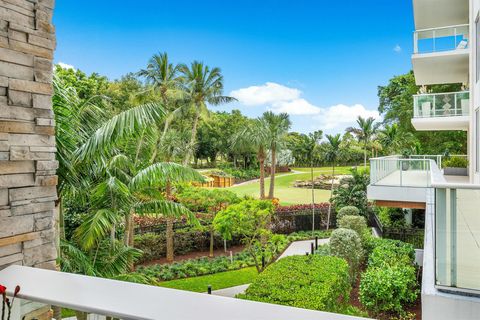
(299, 248)
(232, 291)
(296, 248)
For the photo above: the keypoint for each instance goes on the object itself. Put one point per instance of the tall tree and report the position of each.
(311, 147)
(255, 135)
(201, 85)
(365, 131)
(277, 126)
(332, 155)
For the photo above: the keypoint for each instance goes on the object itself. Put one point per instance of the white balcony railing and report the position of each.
(126, 300)
(441, 104)
(397, 171)
(441, 39)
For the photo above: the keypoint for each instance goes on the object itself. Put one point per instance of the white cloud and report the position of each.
(397, 48)
(268, 93)
(295, 107)
(340, 115)
(66, 65)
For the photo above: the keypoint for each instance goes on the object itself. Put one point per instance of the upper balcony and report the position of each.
(441, 55)
(439, 13)
(441, 111)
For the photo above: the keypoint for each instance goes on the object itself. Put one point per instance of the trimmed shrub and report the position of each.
(388, 289)
(355, 223)
(390, 281)
(389, 253)
(310, 282)
(346, 244)
(347, 211)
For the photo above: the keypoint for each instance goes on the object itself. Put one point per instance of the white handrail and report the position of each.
(126, 300)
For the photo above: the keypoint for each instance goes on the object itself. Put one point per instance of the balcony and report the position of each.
(126, 300)
(438, 13)
(441, 111)
(441, 55)
(397, 181)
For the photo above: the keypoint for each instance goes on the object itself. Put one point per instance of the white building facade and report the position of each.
(446, 51)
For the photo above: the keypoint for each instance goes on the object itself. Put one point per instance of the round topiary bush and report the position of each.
(346, 244)
(348, 211)
(355, 223)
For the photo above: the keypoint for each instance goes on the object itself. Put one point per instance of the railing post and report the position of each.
(415, 42)
(401, 172)
(433, 37)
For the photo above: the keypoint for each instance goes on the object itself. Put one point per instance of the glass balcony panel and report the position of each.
(457, 245)
(441, 39)
(442, 105)
(399, 172)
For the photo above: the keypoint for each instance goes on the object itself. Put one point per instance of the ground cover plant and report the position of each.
(218, 281)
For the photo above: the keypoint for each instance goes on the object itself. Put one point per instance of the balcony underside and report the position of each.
(441, 67)
(439, 13)
(441, 123)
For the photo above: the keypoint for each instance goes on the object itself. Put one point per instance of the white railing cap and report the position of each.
(128, 300)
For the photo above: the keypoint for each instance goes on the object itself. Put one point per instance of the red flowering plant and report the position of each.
(6, 303)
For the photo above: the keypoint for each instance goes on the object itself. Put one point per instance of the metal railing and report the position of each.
(441, 39)
(441, 104)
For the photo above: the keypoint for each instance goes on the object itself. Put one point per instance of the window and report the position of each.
(477, 47)
(477, 140)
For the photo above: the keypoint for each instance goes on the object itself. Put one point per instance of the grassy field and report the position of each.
(217, 281)
(284, 189)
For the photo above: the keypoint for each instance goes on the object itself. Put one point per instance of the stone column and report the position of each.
(27, 134)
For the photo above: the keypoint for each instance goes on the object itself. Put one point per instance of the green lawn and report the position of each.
(284, 189)
(217, 281)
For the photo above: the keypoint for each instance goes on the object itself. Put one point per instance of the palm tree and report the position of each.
(201, 85)
(332, 155)
(311, 147)
(365, 131)
(393, 139)
(254, 135)
(276, 127)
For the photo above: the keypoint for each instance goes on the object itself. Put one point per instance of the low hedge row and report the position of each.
(389, 283)
(311, 282)
(196, 267)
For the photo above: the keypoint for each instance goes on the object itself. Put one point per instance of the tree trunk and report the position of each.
(211, 242)
(189, 152)
(170, 221)
(331, 195)
(313, 198)
(273, 164)
(261, 160)
(365, 156)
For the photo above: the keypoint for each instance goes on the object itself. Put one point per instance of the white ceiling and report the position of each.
(439, 13)
(441, 68)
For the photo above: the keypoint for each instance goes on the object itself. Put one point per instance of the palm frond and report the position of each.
(95, 227)
(161, 172)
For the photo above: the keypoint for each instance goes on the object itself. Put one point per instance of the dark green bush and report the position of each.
(390, 282)
(347, 211)
(388, 289)
(184, 240)
(310, 282)
(390, 253)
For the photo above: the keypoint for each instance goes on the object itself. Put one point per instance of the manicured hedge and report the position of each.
(348, 211)
(311, 282)
(390, 282)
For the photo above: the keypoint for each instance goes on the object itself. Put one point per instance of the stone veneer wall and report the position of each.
(27, 134)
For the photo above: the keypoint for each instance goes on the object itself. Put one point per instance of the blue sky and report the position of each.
(319, 60)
